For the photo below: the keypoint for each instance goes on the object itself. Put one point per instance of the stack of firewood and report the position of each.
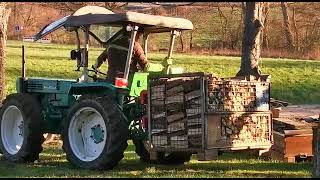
(176, 108)
(246, 128)
(229, 95)
(242, 105)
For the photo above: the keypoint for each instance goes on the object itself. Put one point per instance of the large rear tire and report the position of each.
(21, 128)
(95, 133)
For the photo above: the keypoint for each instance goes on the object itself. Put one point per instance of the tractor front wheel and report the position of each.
(20, 131)
(95, 133)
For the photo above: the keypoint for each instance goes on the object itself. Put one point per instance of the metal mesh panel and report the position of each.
(236, 95)
(240, 129)
(176, 112)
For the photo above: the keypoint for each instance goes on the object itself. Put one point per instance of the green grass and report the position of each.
(52, 163)
(294, 81)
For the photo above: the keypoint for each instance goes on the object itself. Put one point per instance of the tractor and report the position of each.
(95, 117)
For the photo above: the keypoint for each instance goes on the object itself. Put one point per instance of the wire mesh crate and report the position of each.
(176, 111)
(196, 113)
(239, 130)
(236, 95)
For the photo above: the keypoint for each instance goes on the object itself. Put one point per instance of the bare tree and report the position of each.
(229, 31)
(297, 45)
(73, 6)
(287, 30)
(251, 48)
(4, 15)
(265, 41)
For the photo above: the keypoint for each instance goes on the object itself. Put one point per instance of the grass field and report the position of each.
(292, 80)
(52, 163)
(295, 81)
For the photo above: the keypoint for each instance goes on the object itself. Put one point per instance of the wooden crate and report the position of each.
(292, 144)
(239, 130)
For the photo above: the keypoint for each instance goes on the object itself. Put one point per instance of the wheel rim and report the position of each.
(87, 134)
(12, 129)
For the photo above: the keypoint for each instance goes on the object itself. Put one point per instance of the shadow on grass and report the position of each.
(53, 163)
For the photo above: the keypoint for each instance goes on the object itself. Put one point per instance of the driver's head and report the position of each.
(138, 35)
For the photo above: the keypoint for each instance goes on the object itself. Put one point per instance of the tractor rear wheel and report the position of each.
(162, 158)
(95, 133)
(21, 128)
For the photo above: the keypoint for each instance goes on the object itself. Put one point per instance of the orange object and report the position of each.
(276, 112)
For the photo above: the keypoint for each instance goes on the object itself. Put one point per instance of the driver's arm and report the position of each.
(139, 56)
(102, 58)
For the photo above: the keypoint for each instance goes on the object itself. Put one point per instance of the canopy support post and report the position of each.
(129, 56)
(84, 57)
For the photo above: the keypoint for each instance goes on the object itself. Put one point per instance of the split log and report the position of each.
(175, 117)
(176, 127)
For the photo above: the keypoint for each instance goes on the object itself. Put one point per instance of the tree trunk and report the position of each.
(297, 44)
(191, 43)
(251, 46)
(224, 27)
(4, 15)
(316, 152)
(287, 30)
(181, 42)
(265, 41)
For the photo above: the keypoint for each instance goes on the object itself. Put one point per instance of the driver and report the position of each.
(116, 54)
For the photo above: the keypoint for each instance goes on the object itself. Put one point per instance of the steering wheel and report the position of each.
(96, 72)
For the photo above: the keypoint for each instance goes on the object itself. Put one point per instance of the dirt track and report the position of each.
(300, 116)
(300, 111)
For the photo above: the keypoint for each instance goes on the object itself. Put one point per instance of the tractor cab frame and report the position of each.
(91, 15)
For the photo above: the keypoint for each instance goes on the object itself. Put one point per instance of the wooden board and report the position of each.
(291, 145)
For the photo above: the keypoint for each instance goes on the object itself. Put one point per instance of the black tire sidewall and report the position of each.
(30, 132)
(99, 162)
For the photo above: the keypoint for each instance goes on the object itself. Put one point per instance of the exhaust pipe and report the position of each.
(23, 70)
(22, 86)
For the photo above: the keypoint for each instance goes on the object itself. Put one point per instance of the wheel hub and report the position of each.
(97, 134)
(21, 129)
(87, 134)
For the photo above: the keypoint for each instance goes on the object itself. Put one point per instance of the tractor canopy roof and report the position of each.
(95, 15)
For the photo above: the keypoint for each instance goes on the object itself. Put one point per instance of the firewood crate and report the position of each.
(176, 112)
(237, 94)
(183, 116)
(239, 130)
